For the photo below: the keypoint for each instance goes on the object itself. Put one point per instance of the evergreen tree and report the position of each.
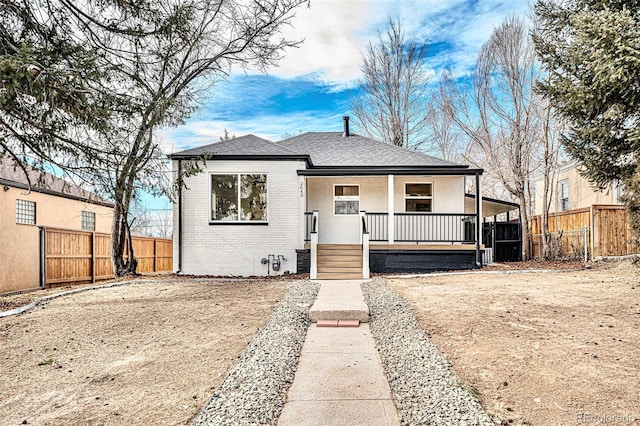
(591, 49)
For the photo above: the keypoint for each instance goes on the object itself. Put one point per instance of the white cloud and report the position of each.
(331, 30)
(337, 31)
(271, 127)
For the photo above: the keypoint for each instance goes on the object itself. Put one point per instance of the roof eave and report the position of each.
(495, 200)
(21, 185)
(260, 157)
(404, 170)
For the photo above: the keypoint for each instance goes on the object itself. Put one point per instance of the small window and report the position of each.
(239, 198)
(25, 212)
(618, 192)
(418, 197)
(563, 192)
(88, 221)
(346, 199)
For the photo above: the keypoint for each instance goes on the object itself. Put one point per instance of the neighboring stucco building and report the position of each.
(51, 202)
(573, 191)
(334, 204)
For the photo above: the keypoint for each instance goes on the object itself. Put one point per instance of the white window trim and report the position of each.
(345, 198)
(419, 197)
(560, 196)
(238, 220)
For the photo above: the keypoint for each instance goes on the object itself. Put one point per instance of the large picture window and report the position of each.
(418, 197)
(346, 199)
(239, 198)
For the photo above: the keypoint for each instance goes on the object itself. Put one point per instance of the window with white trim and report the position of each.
(563, 195)
(418, 197)
(238, 197)
(25, 212)
(618, 192)
(88, 221)
(346, 199)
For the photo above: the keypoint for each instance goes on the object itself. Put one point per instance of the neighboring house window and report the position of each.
(418, 197)
(564, 195)
(346, 199)
(88, 221)
(618, 191)
(239, 198)
(25, 212)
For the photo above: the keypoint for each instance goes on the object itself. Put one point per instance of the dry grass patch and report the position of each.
(541, 349)
(145, 353)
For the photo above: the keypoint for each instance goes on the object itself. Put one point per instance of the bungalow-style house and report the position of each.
(334, 204)
(49, 202)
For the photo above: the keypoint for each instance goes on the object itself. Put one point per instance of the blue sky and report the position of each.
(311, 87)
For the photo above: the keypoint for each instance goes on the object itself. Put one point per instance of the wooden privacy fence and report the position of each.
(68, 256)
(608, 227)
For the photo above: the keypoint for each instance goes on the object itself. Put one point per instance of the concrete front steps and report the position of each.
(339, 261)
(339, 301)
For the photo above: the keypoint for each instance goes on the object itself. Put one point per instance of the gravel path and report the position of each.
(425, 389)
(255, 389)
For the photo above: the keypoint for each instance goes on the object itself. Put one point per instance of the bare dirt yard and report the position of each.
(555, 348)
(145, 353)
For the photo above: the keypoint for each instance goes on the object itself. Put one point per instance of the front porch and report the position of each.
(410, 243)
(400, 221)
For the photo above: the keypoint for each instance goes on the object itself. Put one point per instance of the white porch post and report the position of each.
(364, 241)
(365, 255)
(313, 270)
(478, 221)
(391, 209)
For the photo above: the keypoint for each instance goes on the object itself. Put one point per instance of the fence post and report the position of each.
(43, 257)
(586, 244)
(155, 255)
(93, 257)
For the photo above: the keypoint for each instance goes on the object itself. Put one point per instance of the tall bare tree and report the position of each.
(394, 102)
(446, 139)
(549, 163)
(501, 113)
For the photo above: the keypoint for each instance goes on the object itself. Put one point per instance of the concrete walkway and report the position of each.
(339, 379)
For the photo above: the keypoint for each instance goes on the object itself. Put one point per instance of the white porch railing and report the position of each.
(423, 227)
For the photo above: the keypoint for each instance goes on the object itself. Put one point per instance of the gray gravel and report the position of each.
(425, 389)
(255, 389)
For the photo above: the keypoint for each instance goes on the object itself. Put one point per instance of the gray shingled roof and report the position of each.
(243, 145)
(329, 149)
(44, 182)
(326, 149)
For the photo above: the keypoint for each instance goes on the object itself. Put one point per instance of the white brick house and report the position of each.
(334, 204)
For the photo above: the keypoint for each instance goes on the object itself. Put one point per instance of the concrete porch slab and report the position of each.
(339, 300)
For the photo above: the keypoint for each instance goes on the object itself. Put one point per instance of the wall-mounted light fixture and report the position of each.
(6, 188)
